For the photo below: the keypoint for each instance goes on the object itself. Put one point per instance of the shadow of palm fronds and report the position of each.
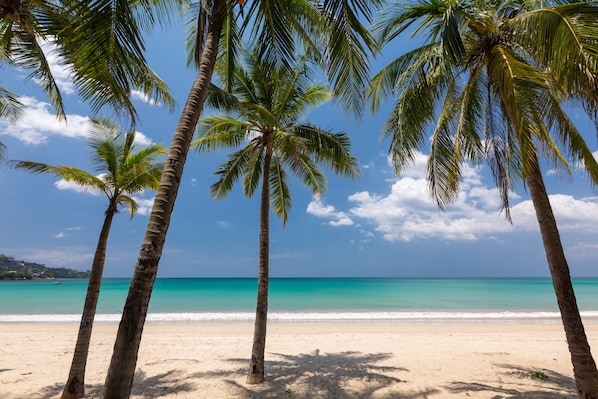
(534, 384)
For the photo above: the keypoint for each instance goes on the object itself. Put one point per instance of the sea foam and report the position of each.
(421, 317)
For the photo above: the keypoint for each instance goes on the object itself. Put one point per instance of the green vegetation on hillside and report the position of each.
(12, 269)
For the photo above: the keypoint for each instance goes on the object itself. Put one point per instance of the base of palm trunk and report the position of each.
(254, 379)
(74, 389)
(255, 376)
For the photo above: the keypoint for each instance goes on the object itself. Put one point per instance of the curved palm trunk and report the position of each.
(584, 367)
(256, 366)
(75, 385)
(119, 379)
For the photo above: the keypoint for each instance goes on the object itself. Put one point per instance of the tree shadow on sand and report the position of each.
(170, 382)
(534, 384)
(344, 375)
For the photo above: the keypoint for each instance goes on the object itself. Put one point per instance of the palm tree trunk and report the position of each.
(119, 379)
(75, 384)
(256, 366)
(584, 367)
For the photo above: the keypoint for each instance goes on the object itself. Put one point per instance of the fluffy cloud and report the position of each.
(141, 96)
(69, 185)
(144, 205)
(62, 73)
(317, 208)
(408, 211)
(39, 123)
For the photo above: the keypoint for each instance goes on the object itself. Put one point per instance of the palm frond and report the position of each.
(280, 196)
(129, 204)
(69, 173)
(2, 152)
(103, 42)
(220, 132)
(563, 39)
(230, 172)
(254, 171)
(11, 108)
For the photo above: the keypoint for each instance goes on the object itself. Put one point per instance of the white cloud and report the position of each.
(571, 214)
(62, 73)
(139, 95)
(144, 205)
(317, 208)
(408, 212)
(62, 234)
(72, 257)
(69, 185)
(39, 122)
(142, 140)
(223, 225)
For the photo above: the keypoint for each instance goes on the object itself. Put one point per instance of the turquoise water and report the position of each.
(299, 299)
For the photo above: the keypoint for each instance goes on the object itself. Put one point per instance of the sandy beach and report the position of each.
(192, 360)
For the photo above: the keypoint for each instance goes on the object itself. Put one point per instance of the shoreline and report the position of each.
(209, 360)
(319, 318)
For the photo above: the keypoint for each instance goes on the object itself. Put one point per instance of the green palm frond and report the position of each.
(22, 48)
(332, 150)
(220, 132)
(122, 169)
(129, 204)
(69, 173)
(11, 108)
(348, 46)
(280, 195)
(253, 172)
(103, 42)
(268, 102)
(2, 152)
(293, 153)
(562, 38)
(570, 139)
(271, 24)
(501, 72)
(221, 99)
(312, 97)
(230, 172)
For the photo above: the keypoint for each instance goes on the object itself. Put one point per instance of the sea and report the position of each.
(306, 300)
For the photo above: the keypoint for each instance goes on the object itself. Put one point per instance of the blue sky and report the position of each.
(378, 226)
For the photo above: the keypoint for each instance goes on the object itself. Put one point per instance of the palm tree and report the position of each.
(125, 171)
(494, 76)
(275, 24)
(10, 110)
(265, 106)
(99, 40)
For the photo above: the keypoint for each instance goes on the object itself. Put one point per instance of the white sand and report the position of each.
(303, 361)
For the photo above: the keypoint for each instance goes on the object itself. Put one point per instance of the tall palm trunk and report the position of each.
(584, 367)
(75, 385)
(119, 379)
(256, 366)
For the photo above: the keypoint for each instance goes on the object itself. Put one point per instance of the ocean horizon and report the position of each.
(307, 300)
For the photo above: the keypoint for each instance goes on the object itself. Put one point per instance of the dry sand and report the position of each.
(303, 361)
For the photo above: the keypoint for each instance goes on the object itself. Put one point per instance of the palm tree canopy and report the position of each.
(101, 42)
(265, 109)
(492, 79)
(332, 32)
(122, 169)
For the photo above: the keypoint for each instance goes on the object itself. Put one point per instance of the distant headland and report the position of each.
(13, 269)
